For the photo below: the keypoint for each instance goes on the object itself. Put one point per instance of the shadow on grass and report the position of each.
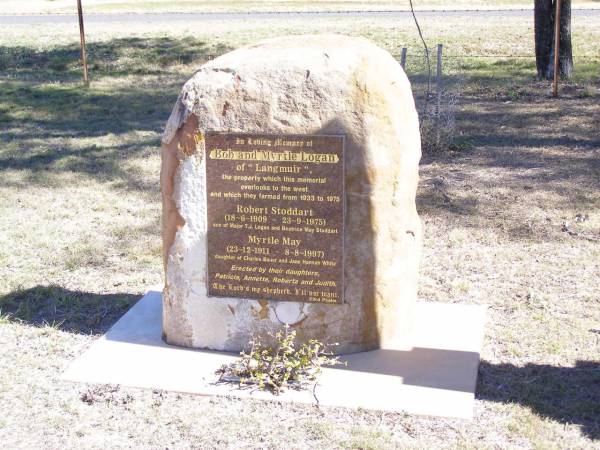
(41, 108)
(115, 57)
(66, 310)
(46, 115)
(532, 151)
(100, 162)
(569, 395)
(490, 71)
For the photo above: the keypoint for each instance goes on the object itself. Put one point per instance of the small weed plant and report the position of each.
(283, 365)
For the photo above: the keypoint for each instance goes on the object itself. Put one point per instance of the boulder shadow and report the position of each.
(569, 395)
(64, 309)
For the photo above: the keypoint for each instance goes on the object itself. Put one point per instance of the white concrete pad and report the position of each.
(436, 378)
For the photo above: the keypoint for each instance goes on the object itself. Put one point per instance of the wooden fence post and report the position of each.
(403, 58)
(556, 47)
(86, 79)
(439, 89)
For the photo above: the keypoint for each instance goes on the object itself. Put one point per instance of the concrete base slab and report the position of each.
(437, 377)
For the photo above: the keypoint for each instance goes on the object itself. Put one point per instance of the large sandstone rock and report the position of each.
(326, 84)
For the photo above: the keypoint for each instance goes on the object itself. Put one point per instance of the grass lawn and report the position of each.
(511, 219)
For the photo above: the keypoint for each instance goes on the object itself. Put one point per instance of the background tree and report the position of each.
(544, 39)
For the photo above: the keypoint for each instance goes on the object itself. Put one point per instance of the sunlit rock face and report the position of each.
(318, 84)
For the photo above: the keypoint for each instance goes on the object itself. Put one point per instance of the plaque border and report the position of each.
(207, 134)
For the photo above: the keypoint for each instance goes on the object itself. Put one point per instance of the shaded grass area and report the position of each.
(58, 126)
(116, 57)
(63, 309)
(502, 73)
(570, 395)
(519, 70)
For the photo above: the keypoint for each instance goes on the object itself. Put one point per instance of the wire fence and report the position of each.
(439, 81)
(505, 56)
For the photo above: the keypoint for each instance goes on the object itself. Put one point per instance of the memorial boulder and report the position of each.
(289, 173)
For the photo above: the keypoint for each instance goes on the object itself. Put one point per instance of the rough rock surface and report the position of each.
(319, 84)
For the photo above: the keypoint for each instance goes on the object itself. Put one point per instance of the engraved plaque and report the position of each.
(275, 210)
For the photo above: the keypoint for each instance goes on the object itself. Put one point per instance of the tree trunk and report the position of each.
(544, 11)
(544, 29)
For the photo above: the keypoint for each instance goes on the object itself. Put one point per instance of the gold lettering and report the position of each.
(250, 209)
(271, 156)
(291, 211)
(263, 240)
(292, 242)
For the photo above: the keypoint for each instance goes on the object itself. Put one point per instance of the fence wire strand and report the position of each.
(438, 126)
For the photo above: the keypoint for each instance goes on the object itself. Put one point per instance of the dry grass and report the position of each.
(49, 6)
(79, 241)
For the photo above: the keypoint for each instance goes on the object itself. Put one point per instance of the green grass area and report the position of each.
(80, 235)
(493, 47)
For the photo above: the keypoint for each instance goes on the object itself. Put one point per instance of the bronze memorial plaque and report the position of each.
(275, 209)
